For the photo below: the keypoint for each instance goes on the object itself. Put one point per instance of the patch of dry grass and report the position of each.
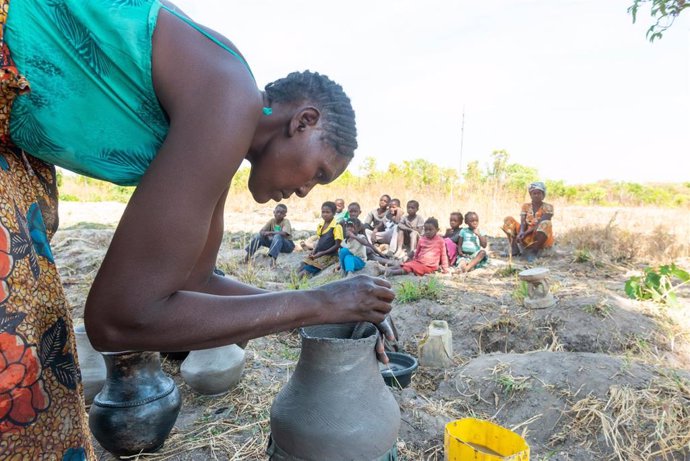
(616, 244)
(636, 425)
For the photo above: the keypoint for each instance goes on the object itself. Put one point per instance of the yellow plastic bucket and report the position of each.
(471, 439)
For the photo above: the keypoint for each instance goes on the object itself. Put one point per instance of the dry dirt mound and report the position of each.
(588, 379)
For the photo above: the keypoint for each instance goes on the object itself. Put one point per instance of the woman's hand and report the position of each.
(357, 299)
(386, 332)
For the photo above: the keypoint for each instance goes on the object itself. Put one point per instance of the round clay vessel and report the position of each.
(336, 405)
(138, 405)
(213, 371)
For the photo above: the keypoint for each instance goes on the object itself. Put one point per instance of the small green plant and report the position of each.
(600, 309)
(297, 282)
(507, 271)
(657, 284)
(408, 292)
(512, 384)
(250, 275)
(520, 292)
(583, 255)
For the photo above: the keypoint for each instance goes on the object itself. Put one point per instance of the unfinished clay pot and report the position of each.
(91, 365)
(336, 405)
(138, 405)
(213, 371)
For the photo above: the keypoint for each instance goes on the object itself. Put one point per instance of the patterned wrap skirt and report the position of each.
(42, 414)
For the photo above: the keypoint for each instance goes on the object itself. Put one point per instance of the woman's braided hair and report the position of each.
(337, 115)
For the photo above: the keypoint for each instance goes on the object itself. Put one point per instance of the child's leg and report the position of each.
(400, 242)
(451, 250)
(254, 245)
(342, 255)
(468, 266)
(358, 263)
(309, 243)
(275, 245)
(394, 271)
(288, 246)
(387, 262)
(414, 240)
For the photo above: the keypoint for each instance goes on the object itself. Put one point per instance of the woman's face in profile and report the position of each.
(294, 165)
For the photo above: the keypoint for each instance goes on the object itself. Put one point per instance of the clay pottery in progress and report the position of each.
(538, 294)
(336, 405)
(138, 405)
(436, 349)
(213, 371)
(91, 365)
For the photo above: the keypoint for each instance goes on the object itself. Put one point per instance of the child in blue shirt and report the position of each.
(472, 244)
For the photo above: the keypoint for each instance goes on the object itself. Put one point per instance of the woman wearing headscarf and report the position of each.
(534, 232)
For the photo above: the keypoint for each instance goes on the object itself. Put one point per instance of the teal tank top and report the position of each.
(92, 108)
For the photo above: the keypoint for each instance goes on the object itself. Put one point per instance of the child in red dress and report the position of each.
(429, 255)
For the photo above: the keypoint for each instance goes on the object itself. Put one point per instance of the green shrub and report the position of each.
(657, 284)
(429, 288)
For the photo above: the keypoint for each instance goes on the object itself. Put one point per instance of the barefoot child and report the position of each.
(325, 252)
(276, 235)
(353, 250)
(472, 244)
(410, 228)
(452, 237)
(430, 254)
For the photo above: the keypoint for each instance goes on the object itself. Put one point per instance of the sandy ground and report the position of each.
(596, 377)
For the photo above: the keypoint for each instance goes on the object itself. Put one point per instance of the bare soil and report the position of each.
(596, 377)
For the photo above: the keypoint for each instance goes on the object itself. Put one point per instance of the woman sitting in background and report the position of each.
(534, 232)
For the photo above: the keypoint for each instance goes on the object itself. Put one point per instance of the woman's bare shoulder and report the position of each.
(193, 73)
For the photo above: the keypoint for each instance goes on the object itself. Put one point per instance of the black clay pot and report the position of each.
(336, 405)
(138, 405)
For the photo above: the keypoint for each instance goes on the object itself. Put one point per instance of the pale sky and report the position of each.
(570, 87)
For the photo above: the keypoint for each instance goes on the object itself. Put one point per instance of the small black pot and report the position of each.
(400, 369)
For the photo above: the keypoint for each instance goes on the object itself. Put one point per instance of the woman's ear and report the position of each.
(304, 118)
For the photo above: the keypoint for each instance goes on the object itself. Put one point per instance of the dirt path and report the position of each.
(595, 377)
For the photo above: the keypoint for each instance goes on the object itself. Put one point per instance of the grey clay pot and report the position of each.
(138, 405)
(336, 405)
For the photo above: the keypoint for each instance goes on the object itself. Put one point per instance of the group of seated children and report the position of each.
(403, 242)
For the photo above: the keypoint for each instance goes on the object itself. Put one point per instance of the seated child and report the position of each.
(410, 228)
(340, 217)
(430, 254)
(534, 232)
(387, 231)
(376, 216)
(452, 237)
(276, 235)
(340, 211)
(325, 252)
(472, 244)
(353, 250)
(353, 211)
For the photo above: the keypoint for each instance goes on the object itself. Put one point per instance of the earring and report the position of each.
(267, 111)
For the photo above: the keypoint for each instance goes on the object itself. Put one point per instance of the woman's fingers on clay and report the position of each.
(381, 350)
(386, 329)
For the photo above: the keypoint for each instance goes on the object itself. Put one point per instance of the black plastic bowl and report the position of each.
(398, 373)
